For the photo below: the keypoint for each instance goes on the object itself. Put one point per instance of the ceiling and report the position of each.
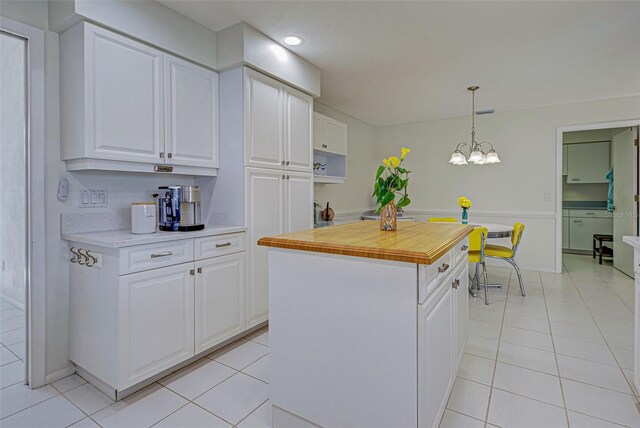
(392, 62)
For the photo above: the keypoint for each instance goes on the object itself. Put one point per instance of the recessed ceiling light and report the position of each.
(292, 40)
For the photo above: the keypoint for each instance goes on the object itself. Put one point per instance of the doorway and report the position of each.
(597, 194)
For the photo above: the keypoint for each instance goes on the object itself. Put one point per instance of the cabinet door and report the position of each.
(155, 322)
(581, 231)
(298, 119)
(124, 100)
(461, 311)
(191, 114)
(318, 132)
(263, 109)
(435, 355)
(565, 232)
(219, 300)
(264, 211)
(588, 162)
(298, 202)
(336, 136)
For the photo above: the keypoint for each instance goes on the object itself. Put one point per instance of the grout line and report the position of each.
(19, 411)
(253, 411)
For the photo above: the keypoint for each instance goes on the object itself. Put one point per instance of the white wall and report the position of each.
(354, 196)
(506, 192)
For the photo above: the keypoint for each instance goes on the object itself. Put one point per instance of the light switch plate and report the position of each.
(93, 199)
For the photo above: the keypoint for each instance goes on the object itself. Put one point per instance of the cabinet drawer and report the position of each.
(213, 246)
(460, 251)
(430, 276)
(589, 213)
(145, 257)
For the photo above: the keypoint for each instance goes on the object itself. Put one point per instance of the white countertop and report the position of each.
(124, 238)
(634, 241)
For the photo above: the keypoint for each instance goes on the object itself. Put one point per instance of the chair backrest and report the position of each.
(443, 220)
(477, 240)
(516, 236)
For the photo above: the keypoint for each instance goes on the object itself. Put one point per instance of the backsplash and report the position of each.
(95, 221)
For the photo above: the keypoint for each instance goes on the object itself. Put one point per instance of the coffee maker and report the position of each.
(179, 208)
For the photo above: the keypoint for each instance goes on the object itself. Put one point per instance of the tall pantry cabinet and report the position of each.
(265, 132)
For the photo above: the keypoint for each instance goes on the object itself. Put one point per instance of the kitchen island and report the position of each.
(367, 328)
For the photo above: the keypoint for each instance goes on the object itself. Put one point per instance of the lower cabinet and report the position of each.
(636, 329)
(220, 303)
(581, 231)
(435, 353)
(155, 321)
(461, 311)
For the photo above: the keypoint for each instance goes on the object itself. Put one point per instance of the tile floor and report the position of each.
(12, 336)
(562, 356)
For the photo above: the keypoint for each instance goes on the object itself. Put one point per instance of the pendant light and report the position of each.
(476, 155)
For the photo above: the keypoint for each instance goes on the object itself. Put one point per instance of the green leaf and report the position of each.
(403, 202)
(380, 171)
(401, 170)
(388, 197)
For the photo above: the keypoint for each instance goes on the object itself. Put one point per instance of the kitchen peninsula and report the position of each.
(367, 327)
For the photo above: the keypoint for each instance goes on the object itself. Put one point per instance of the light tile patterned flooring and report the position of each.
(562, 356)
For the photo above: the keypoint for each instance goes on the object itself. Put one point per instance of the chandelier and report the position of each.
(476, 155)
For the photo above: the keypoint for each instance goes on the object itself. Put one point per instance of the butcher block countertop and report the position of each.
(421, 243)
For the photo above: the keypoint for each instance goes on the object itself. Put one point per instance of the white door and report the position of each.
(155, 322)
(623, 192)
(435, 355)
(461, 310)
(298, 132)
(299, 202)
(124, 99)
(220, 300)
(264, 211)
(263, 111)
(191, 114)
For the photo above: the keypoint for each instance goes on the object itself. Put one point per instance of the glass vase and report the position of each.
(389, 217)
(465, 216)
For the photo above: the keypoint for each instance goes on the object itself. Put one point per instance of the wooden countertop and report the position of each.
(421, 243)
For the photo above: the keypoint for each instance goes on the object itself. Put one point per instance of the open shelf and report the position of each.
(328, 179)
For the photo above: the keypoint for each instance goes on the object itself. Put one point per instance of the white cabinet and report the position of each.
(191, 114)
(277, 124)
(582, 229)
(460, 310)
(330, 135)
(436, 359)
(588, 162)
(126, 106)
(155, 322)
(220, 300)
(151, 307)
(276, 202)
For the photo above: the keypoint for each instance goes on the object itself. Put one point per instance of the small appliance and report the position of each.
(143, 217)
(179, 208)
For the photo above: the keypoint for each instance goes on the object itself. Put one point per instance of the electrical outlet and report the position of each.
(93, 199)
(547, 196)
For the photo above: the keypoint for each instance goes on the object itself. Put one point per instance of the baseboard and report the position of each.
(67, 371)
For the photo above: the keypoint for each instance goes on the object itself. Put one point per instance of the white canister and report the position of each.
(143, 217)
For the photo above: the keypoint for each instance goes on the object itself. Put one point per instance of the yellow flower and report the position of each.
(386, 162)
(464, 202)
(394, 161)
(405, 152)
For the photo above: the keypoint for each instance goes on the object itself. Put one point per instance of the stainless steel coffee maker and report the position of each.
(179, 208)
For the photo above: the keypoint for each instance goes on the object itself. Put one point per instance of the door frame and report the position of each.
(35, 300)
(560, 130)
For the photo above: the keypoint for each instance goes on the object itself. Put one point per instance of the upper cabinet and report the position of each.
(126, 106)
(329, 135)
(277, 124)
(588, 162)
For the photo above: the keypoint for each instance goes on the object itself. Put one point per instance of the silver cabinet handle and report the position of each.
(282, 162)
(161, 155)
(226, 244)
(169, 155)
(156, 255)
(577, 221)
(464, 248)
(324, 146)
(287, 163)
(590, 213)
(199, 270)
(443, 268)
(455, 284)
(192, 272)
(575, 179)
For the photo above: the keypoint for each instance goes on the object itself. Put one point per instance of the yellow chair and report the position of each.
(509, 254)
(477, 240)
(443, 220)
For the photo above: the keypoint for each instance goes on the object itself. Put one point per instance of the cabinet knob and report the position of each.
(282, 162)
(192, 272)
(161, 155)
(324, 146)
(283, 176)
(199, 270)
(464, 248)
(287, 163)
(443, 268)
(169, 155)
(287, 177)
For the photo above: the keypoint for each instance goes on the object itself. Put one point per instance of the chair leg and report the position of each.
(484, 274)
(517, 268)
